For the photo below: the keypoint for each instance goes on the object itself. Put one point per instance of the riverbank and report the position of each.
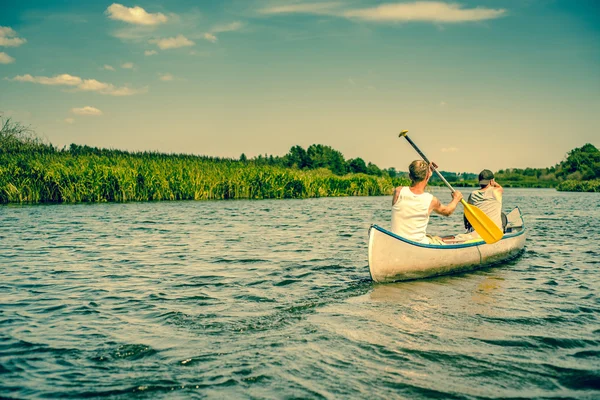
(61, 177)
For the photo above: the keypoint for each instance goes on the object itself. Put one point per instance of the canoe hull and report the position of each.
(392, 258)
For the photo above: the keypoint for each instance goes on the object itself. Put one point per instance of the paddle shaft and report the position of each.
(424, 157)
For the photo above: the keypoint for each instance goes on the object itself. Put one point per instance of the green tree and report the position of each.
(321, 156)
(296, 158)
(585, 160)
(357, 166)
(373, 169)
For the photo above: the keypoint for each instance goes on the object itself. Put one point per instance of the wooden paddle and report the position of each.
(483, 225)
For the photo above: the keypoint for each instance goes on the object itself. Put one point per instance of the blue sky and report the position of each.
(478, 83)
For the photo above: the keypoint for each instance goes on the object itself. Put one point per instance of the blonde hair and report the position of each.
(417, 171)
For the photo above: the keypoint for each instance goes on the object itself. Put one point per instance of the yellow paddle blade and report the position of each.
(487, 229)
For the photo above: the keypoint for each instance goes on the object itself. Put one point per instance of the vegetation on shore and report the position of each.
(34, 171)
(578, 172)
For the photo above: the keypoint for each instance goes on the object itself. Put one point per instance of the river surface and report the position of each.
(272, 300)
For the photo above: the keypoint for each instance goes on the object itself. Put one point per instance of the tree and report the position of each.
(296, 158)
(585, 160)
(392, 172)
(373, 169)
(357, 166)
(321, 156)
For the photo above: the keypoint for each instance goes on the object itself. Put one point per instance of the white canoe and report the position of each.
(393, 258)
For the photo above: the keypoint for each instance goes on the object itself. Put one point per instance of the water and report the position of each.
(272, 299)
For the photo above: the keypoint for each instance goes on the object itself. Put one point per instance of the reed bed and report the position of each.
(579, 186)
(64, 177)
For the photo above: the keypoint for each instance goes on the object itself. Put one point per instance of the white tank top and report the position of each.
(410, 215)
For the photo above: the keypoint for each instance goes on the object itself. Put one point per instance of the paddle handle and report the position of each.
(424, 157)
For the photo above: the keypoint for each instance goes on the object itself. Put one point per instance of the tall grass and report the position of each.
(579, 186)
(60, 176)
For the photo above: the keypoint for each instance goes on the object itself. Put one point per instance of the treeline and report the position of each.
(579, 171)
(320, 156)
(34, 171)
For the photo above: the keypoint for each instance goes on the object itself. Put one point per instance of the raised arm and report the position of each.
(446, 210)
(496, 186)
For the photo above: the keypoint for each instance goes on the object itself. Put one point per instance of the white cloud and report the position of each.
(172, 43)
(134, 15)
(63, 79)
(69, 120)
(304, 8)
(124, 91)
(419, 11)
(87, 110)
(424, 11)
(108, 67)
(8, 37)
(7, 31)
(88, 85)
(443, 103)
(92, 85)
(5, 58)
(449, 150)
(210, 37)
(231, 27)
(150, 52)
(166, 77)
(127, 65)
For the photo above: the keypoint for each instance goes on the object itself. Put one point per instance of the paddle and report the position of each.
(483, 225)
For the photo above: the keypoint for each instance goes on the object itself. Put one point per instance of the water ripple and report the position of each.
(272, 299)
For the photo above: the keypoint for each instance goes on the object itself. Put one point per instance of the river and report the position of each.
(272, 299)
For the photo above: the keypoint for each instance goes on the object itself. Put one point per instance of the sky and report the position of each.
(478, 84)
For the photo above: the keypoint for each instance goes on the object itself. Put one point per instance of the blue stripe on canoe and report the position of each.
(444, 246)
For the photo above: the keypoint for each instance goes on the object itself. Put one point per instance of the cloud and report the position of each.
(150, 52)
(210, 37)
(69, 120)
(304, 8)
(108, 67)
(449, 150)
(87, 110)
(8, 37)
(424, 11)
(419, 11)
(79, 84)
(172, 43)
(92, 85)
(134, 15)
(127, 65)
(231, 27)
(443, 104)
(166, 77)
(63, 79)
(5, 58)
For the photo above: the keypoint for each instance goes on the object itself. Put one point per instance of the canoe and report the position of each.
(393, 258)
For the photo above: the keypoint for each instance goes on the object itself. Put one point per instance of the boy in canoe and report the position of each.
(412, 206)
(488, 198)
